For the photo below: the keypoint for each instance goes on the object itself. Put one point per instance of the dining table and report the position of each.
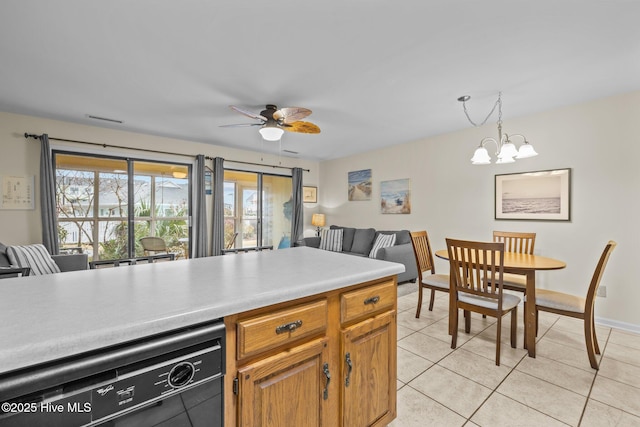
(526, 265)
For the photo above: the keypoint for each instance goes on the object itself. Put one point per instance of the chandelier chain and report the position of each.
(497, 103)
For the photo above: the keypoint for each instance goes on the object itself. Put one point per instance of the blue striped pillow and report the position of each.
(35, 257)
(331, 240)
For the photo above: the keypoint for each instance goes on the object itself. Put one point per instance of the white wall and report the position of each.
(599, 141)
(21, 157)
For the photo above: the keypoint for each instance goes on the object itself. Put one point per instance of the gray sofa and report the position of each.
(359, 241)
(65, 262)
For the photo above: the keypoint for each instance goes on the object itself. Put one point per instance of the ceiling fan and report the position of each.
(274, 121)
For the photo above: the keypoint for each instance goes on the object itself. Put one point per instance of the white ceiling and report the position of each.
(374, 72)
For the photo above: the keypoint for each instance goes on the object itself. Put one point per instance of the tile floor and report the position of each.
(438, 386)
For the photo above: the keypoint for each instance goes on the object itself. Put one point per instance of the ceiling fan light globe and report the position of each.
(526, 150)
(271, 133)
(481, 157)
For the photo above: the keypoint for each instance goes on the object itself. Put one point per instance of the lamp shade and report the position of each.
(318, 220)
(481, 157)
(526, 150)
(508, 150)
(271, 133)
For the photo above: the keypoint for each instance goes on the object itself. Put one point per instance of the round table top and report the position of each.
(518, 261)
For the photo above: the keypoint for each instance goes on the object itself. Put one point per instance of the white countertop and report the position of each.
(44, 318)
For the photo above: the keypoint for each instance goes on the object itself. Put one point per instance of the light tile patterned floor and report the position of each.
(438, 386)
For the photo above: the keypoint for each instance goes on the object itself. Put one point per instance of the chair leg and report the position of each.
(514, 327)
(433, 296)
(454, 333)
(498, 334)
(467, 321)
(589, 337)
(595, 338)
(419, 301)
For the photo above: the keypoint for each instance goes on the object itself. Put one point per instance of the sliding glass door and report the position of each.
(106, 205)
(257, 208)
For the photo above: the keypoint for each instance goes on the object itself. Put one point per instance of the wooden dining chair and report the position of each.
(427, 277)
(578, 307)
(522, 243)
(470, 263)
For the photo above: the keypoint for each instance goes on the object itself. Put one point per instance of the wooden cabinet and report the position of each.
(325, 360)
(286, 389)
(369, 372)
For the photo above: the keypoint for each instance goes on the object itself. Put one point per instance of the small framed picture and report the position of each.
(539, 195)
(310, 194)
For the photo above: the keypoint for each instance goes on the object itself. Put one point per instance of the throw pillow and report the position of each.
(35, 257)
(362, 240)
(382, 241)
(331, 240)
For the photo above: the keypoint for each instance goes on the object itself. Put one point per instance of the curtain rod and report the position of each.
(34, 136)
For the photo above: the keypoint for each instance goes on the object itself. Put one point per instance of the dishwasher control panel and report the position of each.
(153, 383)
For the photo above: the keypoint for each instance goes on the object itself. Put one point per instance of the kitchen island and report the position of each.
(45, 318)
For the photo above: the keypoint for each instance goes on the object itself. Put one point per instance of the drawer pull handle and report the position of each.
(289, 327)
(347, 359)
(372, 300)
(325, 369)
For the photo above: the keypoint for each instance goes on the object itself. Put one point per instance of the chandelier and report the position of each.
(506, 151)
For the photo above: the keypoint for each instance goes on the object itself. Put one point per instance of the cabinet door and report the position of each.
(369, 372)
(287, 389)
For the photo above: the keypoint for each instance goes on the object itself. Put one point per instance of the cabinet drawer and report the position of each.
(272, 330)
(368, 300)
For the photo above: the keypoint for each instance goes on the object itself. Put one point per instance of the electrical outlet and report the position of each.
(602, 292)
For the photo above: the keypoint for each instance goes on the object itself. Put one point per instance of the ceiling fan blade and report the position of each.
(248, 113)
(291, 114)
(241, 125)
(301, 127)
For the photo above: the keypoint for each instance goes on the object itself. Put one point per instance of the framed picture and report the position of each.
(17, 192)
(540, 195)
(360, 185)
(395, 197)
(310, 194)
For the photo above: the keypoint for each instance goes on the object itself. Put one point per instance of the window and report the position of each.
(257, 210)
(106, 204)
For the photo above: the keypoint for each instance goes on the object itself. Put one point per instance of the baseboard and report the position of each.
(629, 327)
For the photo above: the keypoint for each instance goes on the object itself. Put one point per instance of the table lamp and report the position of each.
(318, 220)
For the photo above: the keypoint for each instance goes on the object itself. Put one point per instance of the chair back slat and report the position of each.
(422, 251)
(599, 271)
(522, 243)
(471, 262)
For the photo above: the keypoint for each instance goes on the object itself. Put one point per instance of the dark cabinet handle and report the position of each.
(372, 300)
(289, 327)
(347, 359)
(325, 369)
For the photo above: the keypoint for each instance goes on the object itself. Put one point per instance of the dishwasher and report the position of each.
(172, 379)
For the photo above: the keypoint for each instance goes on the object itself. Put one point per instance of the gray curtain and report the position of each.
(217, 232)
(200, 225)
(48, 198)
(297, 215)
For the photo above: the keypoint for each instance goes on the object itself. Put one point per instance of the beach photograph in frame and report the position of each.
(539, 195)
(360, 185)
(395, 197)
